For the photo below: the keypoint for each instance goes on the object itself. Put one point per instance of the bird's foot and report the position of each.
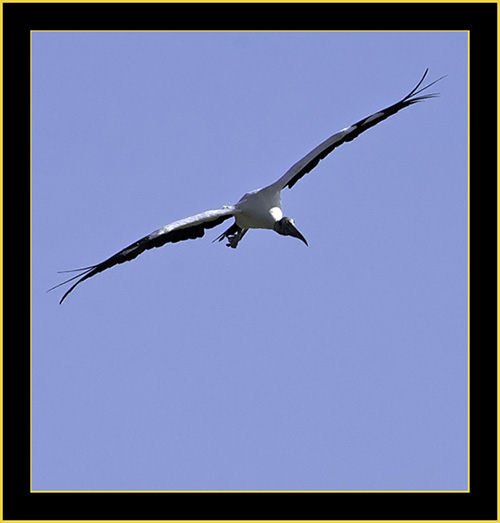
(235, 238)
(233, 235)
(232, 240)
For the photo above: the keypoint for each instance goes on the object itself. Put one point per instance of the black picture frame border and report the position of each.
(480, 19)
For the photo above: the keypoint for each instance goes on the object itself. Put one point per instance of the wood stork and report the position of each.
(259, 209)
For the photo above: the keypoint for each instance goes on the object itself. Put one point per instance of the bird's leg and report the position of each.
(234, 235)
(235, 238)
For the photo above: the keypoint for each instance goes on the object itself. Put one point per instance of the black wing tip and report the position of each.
(64, 296)
(413, 95)
(85, 272)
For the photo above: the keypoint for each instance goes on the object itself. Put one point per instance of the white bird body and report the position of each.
(259, 209)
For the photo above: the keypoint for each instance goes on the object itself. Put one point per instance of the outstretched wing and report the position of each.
(306, 164)
(186, 229)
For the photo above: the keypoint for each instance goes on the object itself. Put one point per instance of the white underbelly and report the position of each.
(259, 210)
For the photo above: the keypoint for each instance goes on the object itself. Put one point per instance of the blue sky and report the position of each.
(275, 366)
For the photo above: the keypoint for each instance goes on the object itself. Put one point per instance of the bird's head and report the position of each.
(286, 227)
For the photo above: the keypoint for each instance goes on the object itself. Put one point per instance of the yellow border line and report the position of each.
(272, 491)
(2, 274)
(248, 1)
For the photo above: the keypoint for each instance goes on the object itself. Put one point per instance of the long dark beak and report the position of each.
(286, 226)
(296, 234)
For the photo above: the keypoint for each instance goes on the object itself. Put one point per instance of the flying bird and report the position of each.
(259, 209)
